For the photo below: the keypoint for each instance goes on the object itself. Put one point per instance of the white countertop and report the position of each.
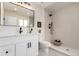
(16, 39)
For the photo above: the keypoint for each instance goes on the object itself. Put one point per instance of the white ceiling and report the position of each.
(58, 5)
(52, 5)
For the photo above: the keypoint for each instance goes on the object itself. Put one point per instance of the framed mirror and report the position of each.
(16, 15)
(0, 13)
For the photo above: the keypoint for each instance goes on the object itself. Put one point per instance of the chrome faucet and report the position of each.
(20, 31)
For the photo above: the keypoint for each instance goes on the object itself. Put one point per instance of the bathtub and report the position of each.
(53, 50)
(63, 50)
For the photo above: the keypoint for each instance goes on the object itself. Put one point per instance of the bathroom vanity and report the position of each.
(16, 36)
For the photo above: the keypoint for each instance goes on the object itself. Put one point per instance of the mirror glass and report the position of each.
(0, 13)
(15, 15)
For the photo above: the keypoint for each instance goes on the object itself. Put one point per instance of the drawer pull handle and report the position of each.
(28, 45)
(6, 52)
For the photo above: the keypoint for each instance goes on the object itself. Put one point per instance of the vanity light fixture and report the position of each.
(25, 3)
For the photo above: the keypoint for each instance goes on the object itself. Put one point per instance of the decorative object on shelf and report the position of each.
(20, 30)
(39, 25)
(57, 42)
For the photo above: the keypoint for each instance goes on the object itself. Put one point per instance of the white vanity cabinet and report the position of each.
(32, 48)
(21, 49)
(28, 48)
(19, 46)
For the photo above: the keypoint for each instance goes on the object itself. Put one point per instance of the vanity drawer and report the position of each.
(8, 50)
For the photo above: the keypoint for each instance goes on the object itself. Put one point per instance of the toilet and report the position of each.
(44, 47)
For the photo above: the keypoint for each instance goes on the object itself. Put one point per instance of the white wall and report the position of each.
(39, 16)
(66, 25)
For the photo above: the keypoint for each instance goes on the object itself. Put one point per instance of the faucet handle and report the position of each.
(30, 30)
